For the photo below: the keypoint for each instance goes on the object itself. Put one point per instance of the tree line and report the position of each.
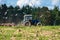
(15, 14)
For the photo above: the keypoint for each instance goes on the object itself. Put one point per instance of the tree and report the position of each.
(45, 14)
(3, 11)
(55, 13)
(1, 17)
(17, 14)
(10, 13)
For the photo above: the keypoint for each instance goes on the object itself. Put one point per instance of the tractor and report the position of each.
(28, 21)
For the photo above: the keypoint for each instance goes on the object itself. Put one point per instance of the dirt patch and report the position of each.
(46, 33)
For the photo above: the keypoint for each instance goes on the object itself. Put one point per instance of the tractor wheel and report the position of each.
(39, 24)
(27, 24)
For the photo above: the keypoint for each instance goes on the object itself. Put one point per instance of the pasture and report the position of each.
(30, 33)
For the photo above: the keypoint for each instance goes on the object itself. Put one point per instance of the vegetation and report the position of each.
(15, 14)
(30, 33)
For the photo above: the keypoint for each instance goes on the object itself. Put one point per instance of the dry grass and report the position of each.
(30, 33)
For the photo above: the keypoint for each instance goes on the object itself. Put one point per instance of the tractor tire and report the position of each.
(39, 24)
(27, 24)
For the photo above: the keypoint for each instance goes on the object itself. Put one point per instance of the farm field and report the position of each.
(30, 33)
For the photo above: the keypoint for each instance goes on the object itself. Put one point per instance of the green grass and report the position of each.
(30, 33)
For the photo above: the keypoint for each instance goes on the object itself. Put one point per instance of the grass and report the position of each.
(30, 33)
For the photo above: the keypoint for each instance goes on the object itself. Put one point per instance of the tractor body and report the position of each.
(28, 21)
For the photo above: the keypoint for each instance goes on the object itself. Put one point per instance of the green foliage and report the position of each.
(15, 14)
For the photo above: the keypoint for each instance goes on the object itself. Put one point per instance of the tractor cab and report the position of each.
(27, 17)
